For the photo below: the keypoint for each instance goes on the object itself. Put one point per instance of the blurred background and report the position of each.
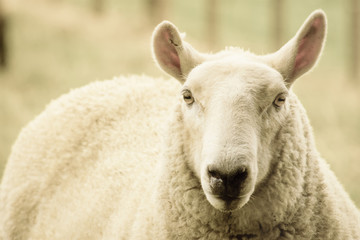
(48, 47)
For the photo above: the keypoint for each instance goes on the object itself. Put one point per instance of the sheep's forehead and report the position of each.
(233, 76)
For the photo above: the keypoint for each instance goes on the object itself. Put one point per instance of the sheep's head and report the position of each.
(233, 104)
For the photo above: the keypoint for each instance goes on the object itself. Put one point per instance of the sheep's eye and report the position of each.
(279, 100)
(188, 97)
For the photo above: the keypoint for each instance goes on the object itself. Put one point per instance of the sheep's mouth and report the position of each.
(227, 198)
(227, 203)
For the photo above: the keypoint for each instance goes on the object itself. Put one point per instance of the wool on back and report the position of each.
(72, 166)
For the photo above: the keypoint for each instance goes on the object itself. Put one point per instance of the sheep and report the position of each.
(237, 159)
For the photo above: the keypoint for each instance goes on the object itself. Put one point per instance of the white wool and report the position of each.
(133, 158)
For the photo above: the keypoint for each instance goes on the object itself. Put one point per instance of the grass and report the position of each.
(56, 45)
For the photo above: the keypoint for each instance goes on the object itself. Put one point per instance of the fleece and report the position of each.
(81, 171)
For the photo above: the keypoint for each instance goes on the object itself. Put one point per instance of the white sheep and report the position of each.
(238, 160)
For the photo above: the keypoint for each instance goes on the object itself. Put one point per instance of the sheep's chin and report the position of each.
(229, 205)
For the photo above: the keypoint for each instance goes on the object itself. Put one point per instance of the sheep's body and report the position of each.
(95, 165)
(82, 154)
(98, 178)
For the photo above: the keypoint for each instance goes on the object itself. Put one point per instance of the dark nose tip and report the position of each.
(227, 185)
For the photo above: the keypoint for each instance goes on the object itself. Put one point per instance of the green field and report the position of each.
(57, 45)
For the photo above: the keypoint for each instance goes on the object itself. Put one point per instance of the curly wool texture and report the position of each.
(72, 164)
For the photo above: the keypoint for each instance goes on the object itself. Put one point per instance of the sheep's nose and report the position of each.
(227, 185)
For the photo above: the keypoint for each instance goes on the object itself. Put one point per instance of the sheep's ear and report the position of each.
(300, 54)
(173, 55)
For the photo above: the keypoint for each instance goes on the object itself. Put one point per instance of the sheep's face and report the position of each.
(233, 104)
(231, 109)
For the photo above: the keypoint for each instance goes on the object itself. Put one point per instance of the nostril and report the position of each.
(240, 176)
(214, 174)
(217, 182)
(235, 182)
